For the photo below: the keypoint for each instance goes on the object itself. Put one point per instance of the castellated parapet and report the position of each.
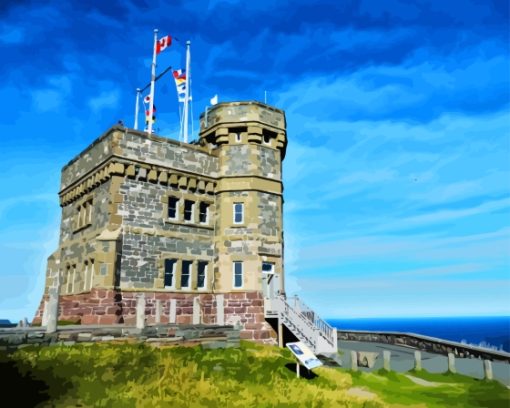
(197, 228)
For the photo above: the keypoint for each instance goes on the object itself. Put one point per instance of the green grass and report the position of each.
(445, 390)
(136, 375)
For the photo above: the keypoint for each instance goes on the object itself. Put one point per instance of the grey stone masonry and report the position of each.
(210, 336)
(142, 253)
(135, 145)
(100, 198)
(167, 153)
(269, 216)
(98, 152)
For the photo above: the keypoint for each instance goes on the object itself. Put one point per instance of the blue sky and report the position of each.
(397, 177)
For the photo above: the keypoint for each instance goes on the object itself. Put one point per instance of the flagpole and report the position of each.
(137, 108)
(153, 80)
(186, 95)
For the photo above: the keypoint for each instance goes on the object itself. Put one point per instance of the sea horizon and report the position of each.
(484, 331)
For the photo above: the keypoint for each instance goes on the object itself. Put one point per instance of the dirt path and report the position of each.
(421, 381)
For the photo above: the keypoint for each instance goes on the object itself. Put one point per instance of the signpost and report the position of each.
(304, 356)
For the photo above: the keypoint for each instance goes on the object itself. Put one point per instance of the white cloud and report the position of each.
(491, 248)
(105, 100)
(52, 98)
(453, 214)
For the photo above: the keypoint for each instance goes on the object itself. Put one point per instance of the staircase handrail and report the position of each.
(325, 329)
(288, 311)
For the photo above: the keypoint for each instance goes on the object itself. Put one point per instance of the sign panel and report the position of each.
(304, 355)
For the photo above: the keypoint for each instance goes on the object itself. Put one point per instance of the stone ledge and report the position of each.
(212, 336)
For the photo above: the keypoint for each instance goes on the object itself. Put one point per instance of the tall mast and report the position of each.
(153, 79)
(186, 95)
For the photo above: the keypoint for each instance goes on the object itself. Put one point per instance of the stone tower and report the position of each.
(250, 140)
(196, 228)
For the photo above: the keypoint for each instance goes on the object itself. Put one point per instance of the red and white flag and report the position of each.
(163, 43)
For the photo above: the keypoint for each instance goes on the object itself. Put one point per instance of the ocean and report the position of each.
(492, 331)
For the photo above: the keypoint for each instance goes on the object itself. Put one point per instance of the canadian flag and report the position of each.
(163, 43)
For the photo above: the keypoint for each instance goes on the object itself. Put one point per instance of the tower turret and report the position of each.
(250, 141)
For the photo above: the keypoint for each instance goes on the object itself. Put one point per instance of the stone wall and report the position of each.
(425, 343)
(93, 156)
(150, 236)
(208, 336)
(167, 153)
(270, 164)
(143, 255)
(100, 197)
(269, 212)
(102, 306)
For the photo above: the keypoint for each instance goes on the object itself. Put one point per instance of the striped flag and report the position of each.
(180, 84)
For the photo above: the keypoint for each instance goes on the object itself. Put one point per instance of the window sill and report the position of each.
(188, 224)
(82, 227)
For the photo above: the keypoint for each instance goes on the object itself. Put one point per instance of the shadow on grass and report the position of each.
(303, 371)
(29, 389)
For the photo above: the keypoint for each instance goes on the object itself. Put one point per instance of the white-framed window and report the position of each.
(266, 138)
(237, 268)
(203, 215)
(186, 274)
(238, 137)
(173, 207)
(169, 279)
(202, 275)
(238, 213)
(188, 210)
(268, 268)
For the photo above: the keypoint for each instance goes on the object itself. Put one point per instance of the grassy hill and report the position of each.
(129, 375)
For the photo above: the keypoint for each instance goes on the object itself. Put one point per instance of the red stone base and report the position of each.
(103, 306)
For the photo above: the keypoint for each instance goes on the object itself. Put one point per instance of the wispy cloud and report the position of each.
(105, 100)
(54, 96)
(490, 247)
(11, 202)
(418, 90)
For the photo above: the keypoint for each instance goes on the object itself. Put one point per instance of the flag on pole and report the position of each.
(163, 43)
(214, 100)
(147, 101)
(180, 84)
